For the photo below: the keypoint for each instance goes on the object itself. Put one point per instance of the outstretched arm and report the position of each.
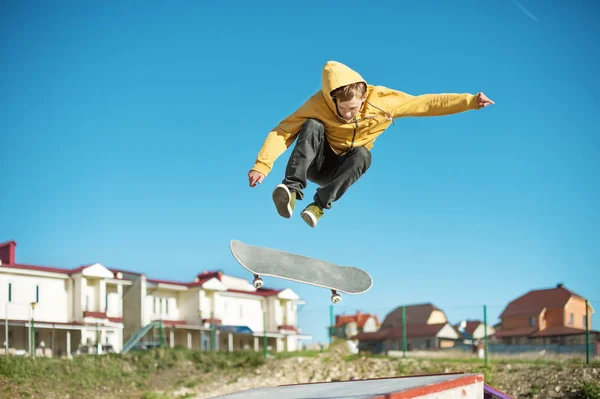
(281, 137)
(402, 104)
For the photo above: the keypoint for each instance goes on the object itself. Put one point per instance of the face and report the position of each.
(349, 109)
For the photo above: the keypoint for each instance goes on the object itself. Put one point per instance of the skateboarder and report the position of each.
(334, 132)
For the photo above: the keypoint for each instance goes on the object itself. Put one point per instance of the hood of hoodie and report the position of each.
(336, 75)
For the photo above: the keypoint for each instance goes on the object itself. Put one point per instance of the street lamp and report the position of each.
(200, 332)
(32, 332)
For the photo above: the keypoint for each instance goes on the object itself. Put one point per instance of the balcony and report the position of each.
(102, 316)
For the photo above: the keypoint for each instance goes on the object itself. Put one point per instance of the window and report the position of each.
(532, 321)
(106, 302)
(155, 305)
(87, 302)
(37, 293)
(167, 305)
(571, 319)
(9, 292)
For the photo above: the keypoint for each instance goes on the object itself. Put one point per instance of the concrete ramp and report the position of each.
(437, 386)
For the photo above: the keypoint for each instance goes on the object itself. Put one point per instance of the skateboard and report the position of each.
(275, 263)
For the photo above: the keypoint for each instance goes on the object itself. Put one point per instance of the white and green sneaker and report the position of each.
(312, 214)
(285, 200)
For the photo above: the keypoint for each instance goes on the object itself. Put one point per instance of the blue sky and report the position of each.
(128, 130)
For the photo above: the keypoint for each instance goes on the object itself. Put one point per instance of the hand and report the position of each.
(255, 178)
(483, 101)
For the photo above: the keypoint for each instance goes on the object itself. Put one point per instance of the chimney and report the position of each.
(7, 252)
(559, 285)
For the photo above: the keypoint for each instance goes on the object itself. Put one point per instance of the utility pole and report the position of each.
(485, 329)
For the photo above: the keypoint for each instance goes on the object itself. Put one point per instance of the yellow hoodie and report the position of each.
(381, 107)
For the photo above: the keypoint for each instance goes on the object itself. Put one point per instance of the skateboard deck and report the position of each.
(280, 264)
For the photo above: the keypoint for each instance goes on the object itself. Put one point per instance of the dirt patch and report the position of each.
(520, 379)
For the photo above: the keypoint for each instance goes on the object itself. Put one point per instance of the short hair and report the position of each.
(348, 92)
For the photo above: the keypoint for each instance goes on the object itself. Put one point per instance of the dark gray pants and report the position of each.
(312, 158)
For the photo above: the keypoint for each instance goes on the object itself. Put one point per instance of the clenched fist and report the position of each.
(255, 178)
(483, 101)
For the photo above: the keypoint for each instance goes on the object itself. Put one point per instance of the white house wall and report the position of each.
(242, 311)
(205, 304)
(114, 301)
(189, 304)
(53, 297)
(272, 308)
(162, 304)
(291, 313)
(370, 325)
(437, 317)
(480, 331)
(78, 301)
(90, 295)
(278, 313)
(448, 332)
(236, 283)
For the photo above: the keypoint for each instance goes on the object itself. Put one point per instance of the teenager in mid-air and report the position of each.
(335, 130)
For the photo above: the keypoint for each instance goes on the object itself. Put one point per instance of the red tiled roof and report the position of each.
(557, 330)
(259, 292)
(51, 269)
(359, 318)
(533, 302)
(412, 331)
(533, 332)
(38, 268)
(471, 326)
(210, 274)
(202, 278)
(415, 314)
(62, 323)
(518, 332)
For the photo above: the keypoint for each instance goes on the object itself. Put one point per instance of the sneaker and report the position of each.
(284, 200)
(311, 214)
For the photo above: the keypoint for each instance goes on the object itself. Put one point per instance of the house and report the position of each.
(225, 310)
(546, 316)
(54, 310)
(473, 331)
(426, 328)
(347, 326)
(59, 311)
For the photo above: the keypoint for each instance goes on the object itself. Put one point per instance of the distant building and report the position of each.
(546, 316)
(473, 331)
(54, 311)
(347, 326)
(426, 328)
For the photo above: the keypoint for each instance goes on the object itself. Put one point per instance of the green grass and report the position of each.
(133, 371)
(304, 353)
(588, 390)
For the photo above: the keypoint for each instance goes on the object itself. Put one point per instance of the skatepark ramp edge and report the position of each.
(439, 386)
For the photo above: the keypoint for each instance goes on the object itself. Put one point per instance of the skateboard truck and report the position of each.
(257, 283)
(335, 298)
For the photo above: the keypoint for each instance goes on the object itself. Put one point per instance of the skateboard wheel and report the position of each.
(336, 298)
(257, 282)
